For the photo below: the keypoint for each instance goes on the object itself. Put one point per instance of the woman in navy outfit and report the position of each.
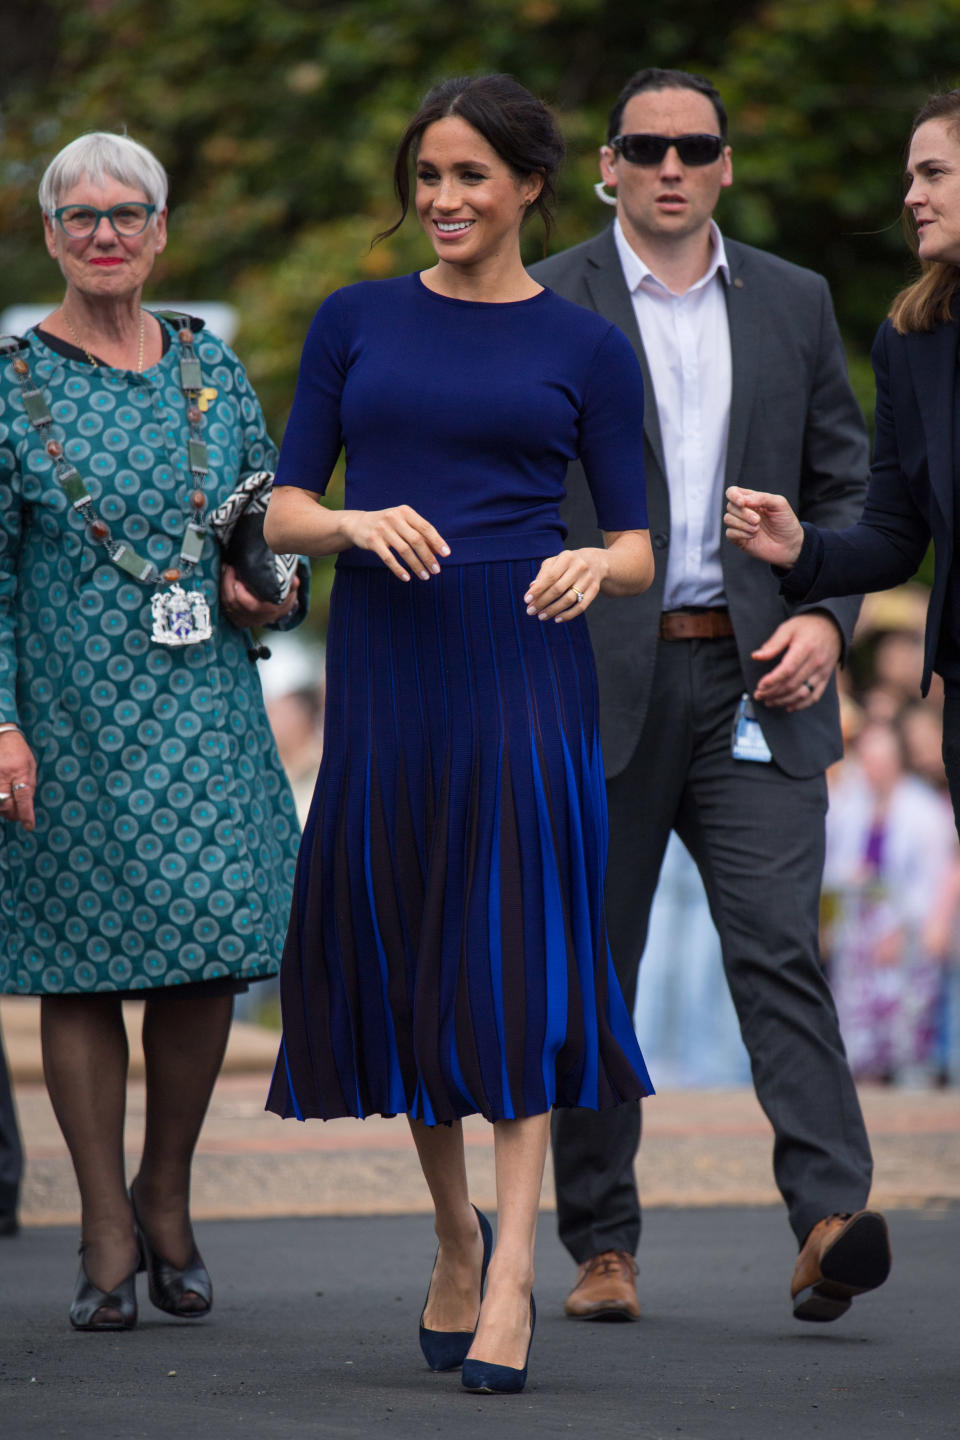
(914, 493)
(447, 953)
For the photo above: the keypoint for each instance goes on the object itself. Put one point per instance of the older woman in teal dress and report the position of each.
(149, 836)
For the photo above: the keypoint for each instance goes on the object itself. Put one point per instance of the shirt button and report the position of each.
(660, 540)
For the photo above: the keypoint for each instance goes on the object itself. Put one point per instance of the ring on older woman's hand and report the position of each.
(20, 785)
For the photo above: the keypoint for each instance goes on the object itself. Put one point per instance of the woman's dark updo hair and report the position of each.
(514, 123)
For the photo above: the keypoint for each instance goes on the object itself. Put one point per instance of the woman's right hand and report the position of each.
(764, 526)
(397, 535)
(18, 779)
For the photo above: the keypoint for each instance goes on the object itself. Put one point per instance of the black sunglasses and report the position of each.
(650, 149)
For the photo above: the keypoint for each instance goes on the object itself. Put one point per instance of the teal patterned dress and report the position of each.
(166, 835)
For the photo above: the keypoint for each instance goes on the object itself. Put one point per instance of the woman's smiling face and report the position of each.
(105, 264)
(469, 201)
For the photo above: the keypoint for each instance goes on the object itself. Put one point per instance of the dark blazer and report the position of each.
(795, 428)
(911, 497)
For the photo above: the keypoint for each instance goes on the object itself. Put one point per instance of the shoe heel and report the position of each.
(447, 1349)
(816, 1303)
(167, 1284)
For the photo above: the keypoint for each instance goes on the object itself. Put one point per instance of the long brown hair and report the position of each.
(928, 301)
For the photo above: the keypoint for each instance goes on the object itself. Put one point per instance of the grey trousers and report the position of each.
(757, 836)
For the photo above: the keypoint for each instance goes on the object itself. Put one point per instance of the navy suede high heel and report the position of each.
(446, 1349)
(480, 1376)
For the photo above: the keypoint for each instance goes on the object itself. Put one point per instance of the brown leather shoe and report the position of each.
(843, 1256)
(606, 1288)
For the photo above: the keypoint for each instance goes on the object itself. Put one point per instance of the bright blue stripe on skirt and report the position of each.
(353, 1028)
(496, 957)
(621, 1026)
(580, 923)
(493, 905)
(601, 795)
(547, 1061)
(298, 1113)
(555, 949)
(398, 1100)
(421, 1107)
(448, 1028)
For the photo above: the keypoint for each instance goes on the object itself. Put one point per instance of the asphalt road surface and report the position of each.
(314, 1334)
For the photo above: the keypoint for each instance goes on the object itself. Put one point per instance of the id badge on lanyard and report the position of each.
(747, 741)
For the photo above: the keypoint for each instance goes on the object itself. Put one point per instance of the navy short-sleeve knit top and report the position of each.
(469, 412)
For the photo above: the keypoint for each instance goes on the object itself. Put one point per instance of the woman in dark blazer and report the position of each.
(914, 493)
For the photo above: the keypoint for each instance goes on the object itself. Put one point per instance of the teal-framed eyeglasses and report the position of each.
(80, 221)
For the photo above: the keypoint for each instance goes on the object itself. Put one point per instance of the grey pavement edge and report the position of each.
(314, 1334)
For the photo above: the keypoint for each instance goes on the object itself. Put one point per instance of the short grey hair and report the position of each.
(96, 157)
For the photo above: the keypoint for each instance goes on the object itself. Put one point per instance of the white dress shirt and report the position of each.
(687, 343)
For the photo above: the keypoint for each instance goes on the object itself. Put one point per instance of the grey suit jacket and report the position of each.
(795, 428)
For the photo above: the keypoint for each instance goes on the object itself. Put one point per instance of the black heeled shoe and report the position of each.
(447, 1349)
(88, 1301)
(167, 1283)
(481, 1377)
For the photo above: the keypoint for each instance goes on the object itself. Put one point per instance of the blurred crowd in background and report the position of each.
(292, 680)
(891, 888)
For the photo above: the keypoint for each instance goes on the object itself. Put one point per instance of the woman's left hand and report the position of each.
(566, 584)
(243, 609)
(18, 779)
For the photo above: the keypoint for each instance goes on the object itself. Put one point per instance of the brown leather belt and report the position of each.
(695, 625)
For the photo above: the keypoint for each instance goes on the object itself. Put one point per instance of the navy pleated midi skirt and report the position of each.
(447, 952)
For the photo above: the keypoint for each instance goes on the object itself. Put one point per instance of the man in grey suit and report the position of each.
(719, 711)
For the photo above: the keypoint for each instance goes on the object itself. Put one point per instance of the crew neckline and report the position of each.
(479, 304)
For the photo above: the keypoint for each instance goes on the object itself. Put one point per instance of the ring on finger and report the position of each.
(20, 785)
(810, 686)
(578, 593)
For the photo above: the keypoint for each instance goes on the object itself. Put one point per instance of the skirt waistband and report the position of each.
(473, 549)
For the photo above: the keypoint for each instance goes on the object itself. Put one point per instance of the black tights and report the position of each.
(85, 1058)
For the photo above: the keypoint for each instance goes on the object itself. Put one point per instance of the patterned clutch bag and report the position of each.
(237, 525)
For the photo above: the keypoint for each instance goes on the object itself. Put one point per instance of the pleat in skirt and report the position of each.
(447, 953)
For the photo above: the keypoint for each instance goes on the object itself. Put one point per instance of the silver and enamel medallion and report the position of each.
(180, 617)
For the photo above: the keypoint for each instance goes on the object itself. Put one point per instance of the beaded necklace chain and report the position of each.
(92, 358)
(74, 487)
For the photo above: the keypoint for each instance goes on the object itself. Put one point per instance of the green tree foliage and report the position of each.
(278, 123)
